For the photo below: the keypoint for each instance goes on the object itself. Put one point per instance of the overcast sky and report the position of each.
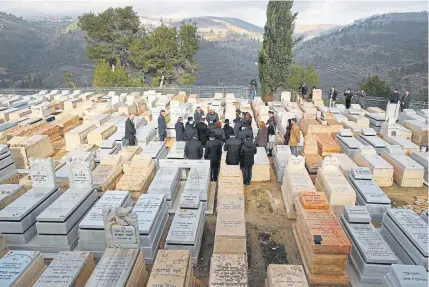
(310, 12)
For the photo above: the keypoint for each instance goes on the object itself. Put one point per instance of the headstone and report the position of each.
(80, 173)
(286, 276)
(361, 173)
(42, 172)
(407, 276)
(20, 268)
(121, 227)
(119, 267)
(357, 214)
(171, 268)
(9, 193)
(69, 268)
(228, 270)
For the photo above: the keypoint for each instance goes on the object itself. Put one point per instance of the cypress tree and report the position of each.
(275, 57)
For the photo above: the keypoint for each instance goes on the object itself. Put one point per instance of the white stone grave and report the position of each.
(20, 268)
(17, 220)
(406, 276)
(7, 165)
(152, 213)
(166, 181)
(121, 228)
(91, 229)
(407, 234)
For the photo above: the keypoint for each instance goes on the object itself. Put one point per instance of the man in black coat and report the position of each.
(190, 130)
(162, 126)
(348, 95)
(228, 130)
(213, 153)
(130, 130)
(193, 149)
(332, 97)
(247, 159)
(394, 98)
(232, 148)
(405, 100)
(212, 118)
(245, 131)
(203, 131)
(180, 130)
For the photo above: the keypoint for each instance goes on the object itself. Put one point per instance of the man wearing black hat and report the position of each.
(394, 98)
(180, 130)
(203, 131)
(213, 153)
(405, 100)
(190, 130)
(228, 130)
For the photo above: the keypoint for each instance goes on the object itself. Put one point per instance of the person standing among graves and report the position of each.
(392, 109)
(295, 137)
(272, 118)
(348, 95)
(130, 130)
(180, 130)
(405, 100)
(247, 121)
(237, 114)
(198, 114)
(262, 136)
(193, 149)
(238, 124)
(227, 129)
(190, 130)
(232, 148)
(287, 134)
(303, 90)
(213, 153)
(203, 131)
(212, 118)
(218, 133)
(271, 137)
(332, 97)
(247, 159)
(162, 126)
(245, 131)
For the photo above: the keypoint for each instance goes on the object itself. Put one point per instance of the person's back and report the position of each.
(213, 151)
(203, 132)
(262, 137)
(232, 148)
(246, 131)
(218, 133)
(394, 97)
(198, 114)
(193, 149)
(180, 130)
(130, 131)
(190, 131)
(247, 153)
(228, 130)
(295, 137)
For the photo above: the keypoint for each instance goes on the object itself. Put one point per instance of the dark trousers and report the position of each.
(348, 103)
(132, 142)
(214, 170)
(247, 174)
(161, 137)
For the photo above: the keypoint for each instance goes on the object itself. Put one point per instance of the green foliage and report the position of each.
(110, 34)
(375, 87)
(276, 56)
(69, 79)
(299, 74)
(167, 55)
(105, 76)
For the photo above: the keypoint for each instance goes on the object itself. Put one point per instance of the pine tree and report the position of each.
(275, 57)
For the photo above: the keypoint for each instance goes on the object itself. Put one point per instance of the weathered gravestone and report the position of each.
(121, 227)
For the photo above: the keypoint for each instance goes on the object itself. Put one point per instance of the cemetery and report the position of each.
(81, 206)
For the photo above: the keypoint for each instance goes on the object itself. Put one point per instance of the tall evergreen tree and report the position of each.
(275, 57)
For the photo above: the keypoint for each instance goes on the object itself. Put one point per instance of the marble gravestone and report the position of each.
(17, 220)
(7, 164)
(368, 193)
(371, 255)
(407, 233)
(157, 150)
(347, 142)
(20, 268)
(152, 213)
(356, 214)
(121, 227)
(283, 275)
(92, 235)
(196, 189)
(9, 193)
(118, 268)
(69, 268)
(186, 231)
(166, 181)
(280, 160)
(58, 224)
(406, 276)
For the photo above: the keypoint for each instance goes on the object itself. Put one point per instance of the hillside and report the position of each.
(42, 50)
(394, 46)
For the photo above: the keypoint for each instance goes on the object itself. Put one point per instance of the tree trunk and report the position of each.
(162, 81)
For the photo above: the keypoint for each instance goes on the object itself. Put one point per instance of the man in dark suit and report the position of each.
(213, 153)
(130, 130)
(162, 126)
(180, 130)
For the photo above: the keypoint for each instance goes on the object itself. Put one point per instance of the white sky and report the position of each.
(310, 12)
